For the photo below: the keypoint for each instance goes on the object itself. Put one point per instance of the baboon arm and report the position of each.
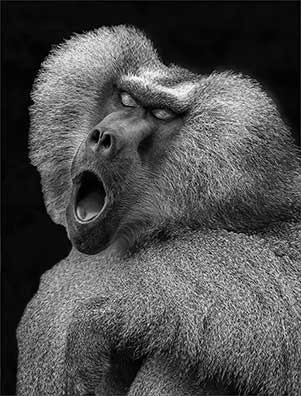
(94, 365)
(157, 377)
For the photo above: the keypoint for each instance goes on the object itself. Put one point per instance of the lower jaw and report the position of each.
(90, 244)
(87, 237)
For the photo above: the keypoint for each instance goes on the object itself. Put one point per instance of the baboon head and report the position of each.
(128, 146)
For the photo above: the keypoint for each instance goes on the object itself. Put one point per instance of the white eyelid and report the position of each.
(127, 100)
(163, 114)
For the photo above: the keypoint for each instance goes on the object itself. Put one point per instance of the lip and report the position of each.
(89, 197)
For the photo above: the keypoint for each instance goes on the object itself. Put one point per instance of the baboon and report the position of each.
(181, 194)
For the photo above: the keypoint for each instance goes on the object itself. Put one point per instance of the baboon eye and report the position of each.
(127, 100)
(162, 114)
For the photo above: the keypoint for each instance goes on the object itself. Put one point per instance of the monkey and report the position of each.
(181, 195)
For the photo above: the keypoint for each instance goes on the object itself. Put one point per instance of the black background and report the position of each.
(261, 39)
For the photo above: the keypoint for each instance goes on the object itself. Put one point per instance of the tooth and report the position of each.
(89, 206)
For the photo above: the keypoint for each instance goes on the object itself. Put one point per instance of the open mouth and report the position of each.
(90, 199)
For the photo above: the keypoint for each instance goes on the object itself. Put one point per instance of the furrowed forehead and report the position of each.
(160, 88)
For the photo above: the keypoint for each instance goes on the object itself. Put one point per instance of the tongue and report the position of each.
(89, 206)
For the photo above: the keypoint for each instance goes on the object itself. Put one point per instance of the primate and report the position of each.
(181, 194)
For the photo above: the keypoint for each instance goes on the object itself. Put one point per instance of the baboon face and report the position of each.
(114, 165)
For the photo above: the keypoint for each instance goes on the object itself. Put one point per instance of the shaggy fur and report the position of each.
(207, 299)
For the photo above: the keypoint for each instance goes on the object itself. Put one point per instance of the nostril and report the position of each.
(94, 137)
(106, 140)
(102, 140)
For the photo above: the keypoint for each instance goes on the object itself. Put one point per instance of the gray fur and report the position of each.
(218, 299)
